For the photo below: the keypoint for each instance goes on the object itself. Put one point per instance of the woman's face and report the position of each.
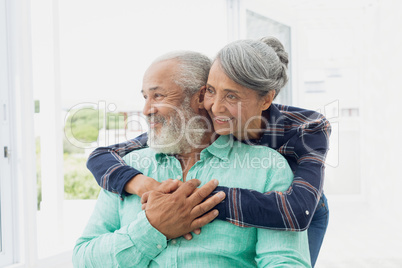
(234, 109)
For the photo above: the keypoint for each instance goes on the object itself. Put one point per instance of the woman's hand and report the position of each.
(141, 184)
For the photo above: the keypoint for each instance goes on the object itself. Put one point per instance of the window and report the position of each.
(88, 61)
(259, 26)
(6, 215)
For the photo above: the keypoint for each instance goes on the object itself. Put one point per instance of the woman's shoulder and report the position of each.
(298, 112)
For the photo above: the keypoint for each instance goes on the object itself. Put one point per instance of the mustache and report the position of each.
(156, 119)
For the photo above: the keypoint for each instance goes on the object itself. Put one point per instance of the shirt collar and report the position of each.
(160, 156)
(220, 148)
(273, 115)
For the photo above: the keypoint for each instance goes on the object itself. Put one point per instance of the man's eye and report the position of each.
(157, 95)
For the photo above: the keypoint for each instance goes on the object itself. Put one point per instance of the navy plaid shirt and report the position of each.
(301, 136)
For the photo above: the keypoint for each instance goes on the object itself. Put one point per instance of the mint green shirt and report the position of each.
(118, 233)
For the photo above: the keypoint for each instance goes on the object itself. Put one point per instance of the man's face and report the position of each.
(162, 95)
(168, 111)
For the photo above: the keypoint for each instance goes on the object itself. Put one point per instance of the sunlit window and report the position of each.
(70, 79)
(92, 98)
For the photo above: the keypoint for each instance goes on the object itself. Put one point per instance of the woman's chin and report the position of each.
(222, 131)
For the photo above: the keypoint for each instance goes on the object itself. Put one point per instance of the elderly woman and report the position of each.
(243, 81)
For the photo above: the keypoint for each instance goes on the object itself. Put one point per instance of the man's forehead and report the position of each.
(166, 67)
(152, 88)
(161, 76)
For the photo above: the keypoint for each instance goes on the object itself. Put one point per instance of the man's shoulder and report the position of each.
(139, 155)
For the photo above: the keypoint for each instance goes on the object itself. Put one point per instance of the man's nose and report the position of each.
(149, 108)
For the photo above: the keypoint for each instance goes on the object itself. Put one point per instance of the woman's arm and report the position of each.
(105, 243)
(108, 167)
(293, 209)
(289, 210)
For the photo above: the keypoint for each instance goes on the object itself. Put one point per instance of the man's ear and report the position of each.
(268, 99)
(201, 97)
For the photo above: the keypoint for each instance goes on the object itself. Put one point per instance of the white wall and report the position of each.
(381, 99)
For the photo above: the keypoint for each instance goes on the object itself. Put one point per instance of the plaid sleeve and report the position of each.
(108, 167)
(293, 209)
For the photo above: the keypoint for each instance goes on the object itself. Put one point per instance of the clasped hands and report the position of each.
(175, 208)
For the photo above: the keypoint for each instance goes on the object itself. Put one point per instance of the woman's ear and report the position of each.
(268, 99)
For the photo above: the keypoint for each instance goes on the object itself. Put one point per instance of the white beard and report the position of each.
(184, 131)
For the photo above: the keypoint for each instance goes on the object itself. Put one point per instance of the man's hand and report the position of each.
(140, 184)
(178, 213)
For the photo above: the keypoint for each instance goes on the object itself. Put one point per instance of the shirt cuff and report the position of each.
(148, 240)
(122, 175)
(152, 242)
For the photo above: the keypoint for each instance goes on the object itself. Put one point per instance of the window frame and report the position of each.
(6, 201)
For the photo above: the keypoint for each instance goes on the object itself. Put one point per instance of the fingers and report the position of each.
(188, 236)
(179, 183)
(168, 186)
(197, 231)
(202, 193)
(144, 197)
(188, 187)
(205, 219)
(207, 205)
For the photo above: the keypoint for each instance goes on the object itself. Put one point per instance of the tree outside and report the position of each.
(83, 125)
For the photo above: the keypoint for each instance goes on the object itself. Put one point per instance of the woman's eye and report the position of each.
(231, 97)
(210, 91)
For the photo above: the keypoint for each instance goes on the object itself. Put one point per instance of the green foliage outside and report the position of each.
(69, 148)
(115, 121)
(83, 125)
(38, 173)
(78, 181)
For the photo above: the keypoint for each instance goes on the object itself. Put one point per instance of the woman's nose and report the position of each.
(218, 106)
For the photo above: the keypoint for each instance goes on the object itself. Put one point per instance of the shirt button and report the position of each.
(307, 212)
(174, 242)
(159, 246)
(178, 177)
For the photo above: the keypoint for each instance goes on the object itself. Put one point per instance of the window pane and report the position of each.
(100, 51)
(6, 212)
(259, 26)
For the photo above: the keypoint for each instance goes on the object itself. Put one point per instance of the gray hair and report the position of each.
(193, 70)
(256, 64)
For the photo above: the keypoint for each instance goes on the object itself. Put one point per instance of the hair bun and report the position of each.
(277, 46)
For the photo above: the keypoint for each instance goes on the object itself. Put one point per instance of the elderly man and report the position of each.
(120, 234)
